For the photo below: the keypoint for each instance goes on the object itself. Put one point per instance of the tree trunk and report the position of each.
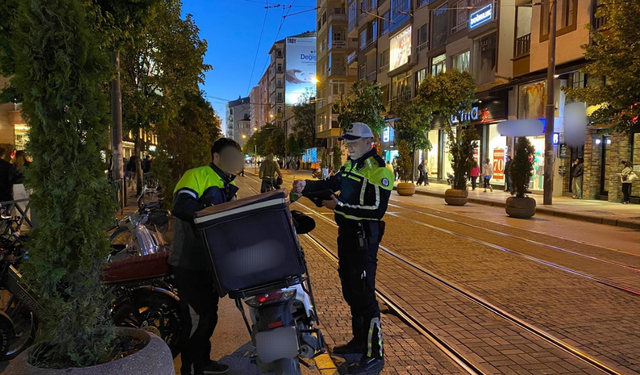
(139, 176)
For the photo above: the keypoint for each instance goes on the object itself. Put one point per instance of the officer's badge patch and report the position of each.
(385, 182)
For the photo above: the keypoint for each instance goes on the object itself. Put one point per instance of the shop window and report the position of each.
(531, 101)
(420, 76)
(461, 62)
(439, 31)
(438, 65)
(21, 132)
(485, 59)
(567, 18)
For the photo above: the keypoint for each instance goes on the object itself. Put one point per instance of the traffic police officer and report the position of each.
(198, 188)
(365, 185)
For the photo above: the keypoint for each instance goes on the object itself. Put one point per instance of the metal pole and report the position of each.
(116, 135)
(255, 158)
(550, 114)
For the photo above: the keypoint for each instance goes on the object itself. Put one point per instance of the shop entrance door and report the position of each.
(605, 183)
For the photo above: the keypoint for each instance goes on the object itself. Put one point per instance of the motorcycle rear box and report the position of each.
(252, 244)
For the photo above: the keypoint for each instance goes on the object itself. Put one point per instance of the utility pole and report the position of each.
(551, 107)
(116, 127)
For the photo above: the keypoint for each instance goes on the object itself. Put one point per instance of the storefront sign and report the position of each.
(465, 116)
(388, 135)
(498, 164)
(556, 138)
(481, 17)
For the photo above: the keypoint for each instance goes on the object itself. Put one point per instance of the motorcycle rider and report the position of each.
(365, 185)
(197, 189)
(268, 171)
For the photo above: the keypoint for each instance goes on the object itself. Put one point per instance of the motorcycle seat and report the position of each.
(137, 268)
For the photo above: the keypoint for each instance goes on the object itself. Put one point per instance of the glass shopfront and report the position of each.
(497, 153)
(537, 178)
(432, 155)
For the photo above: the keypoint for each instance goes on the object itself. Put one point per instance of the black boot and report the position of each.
(352, 347)
(367, 365)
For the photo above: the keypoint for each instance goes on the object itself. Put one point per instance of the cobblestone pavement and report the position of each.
(492, 343)
(590, 316)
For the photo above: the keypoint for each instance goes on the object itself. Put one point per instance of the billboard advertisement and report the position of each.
(300, 71)
(400, 49)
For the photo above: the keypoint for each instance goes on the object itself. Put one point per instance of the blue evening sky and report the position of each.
(232, 29)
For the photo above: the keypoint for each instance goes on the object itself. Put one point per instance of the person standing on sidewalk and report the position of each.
(474, 174)
(507, 175)
(365, 185)
(577, 173)
(198, 188)
(487, 174)
(422, 179)
(627, 176)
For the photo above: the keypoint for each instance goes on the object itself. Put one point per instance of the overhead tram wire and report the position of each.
(255, 58)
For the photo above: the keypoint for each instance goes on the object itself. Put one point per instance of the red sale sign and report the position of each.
(498, 164)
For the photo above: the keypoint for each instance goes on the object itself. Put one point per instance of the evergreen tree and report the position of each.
(521, 168)
(61, 73)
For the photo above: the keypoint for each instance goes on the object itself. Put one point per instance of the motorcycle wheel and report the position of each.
(16, 332)
(287, 366)
(152, 309)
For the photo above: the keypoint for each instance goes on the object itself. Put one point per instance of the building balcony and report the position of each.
(522, 46)
(349, 44)
(336, 15)
(352, 59)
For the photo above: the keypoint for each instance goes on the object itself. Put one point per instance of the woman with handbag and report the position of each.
(627, 176)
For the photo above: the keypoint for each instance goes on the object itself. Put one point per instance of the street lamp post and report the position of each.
(551, 108)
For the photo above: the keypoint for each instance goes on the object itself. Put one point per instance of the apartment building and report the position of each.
(259, 98)
(334, 77)
(238, 120)
(503, 44)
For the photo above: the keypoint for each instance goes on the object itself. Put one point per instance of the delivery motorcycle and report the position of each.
(267, 271)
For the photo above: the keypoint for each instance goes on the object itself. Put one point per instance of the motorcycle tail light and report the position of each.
(275, 324)
(263, 299)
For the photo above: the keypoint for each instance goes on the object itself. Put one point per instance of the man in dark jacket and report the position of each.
(8, 174)
(197, 189)
(576, 174)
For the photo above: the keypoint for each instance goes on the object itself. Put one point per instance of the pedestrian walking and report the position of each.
(474, 174)
(198, 188)
(487, 174)
(146, 164)
(132, 169)
(577, 173)
(268, 172)
(365, 185)
(390, 168)
(507, 175)
(422, 171)
(395, 168)
(627, 176)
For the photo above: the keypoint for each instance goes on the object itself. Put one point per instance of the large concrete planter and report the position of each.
(522, 208)
(455, 197)
(154, 359)
(406, 189)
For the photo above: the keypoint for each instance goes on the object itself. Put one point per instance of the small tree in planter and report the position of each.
(405, 164)
(451, 94)
(415, 121)
(521, 170)
(337, 157)
(61, 73)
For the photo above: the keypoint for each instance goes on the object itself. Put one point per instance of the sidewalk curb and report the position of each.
(625, 223)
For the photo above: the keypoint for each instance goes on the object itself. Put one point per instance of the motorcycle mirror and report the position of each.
(303, 223)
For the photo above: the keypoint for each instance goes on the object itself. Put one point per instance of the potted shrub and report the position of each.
(461, 147)
(405, 166)
(450, 94)
(521, 206)
(62, 72)
(414, 124)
